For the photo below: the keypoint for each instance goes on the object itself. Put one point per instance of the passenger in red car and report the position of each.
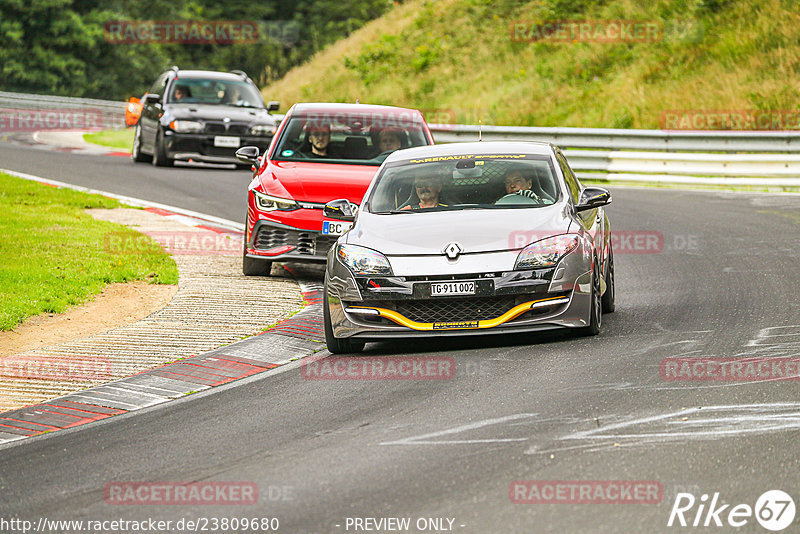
(388, 139)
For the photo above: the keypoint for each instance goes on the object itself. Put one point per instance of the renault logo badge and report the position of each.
(452, 250)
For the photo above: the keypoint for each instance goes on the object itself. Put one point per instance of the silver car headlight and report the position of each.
(187, 126)
(547, 252)
(362, 260)
(262, 129)
(270, 203)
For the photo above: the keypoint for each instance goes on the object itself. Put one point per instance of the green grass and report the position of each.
(55, 255)
(456, 58)
(122, 139)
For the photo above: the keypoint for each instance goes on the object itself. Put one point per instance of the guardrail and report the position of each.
(28, 112)
(614, 139)
(770, 158)
(713, 157)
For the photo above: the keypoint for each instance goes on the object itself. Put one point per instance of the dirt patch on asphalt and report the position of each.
(117, 305)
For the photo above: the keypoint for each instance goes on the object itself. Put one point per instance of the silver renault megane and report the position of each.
(465, 239)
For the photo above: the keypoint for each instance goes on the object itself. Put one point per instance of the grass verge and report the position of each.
(55, 255)
(122, 139)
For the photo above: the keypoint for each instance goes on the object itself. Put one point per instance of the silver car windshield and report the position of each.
(465, 182)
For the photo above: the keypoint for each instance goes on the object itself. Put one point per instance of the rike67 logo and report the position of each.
(774, 510)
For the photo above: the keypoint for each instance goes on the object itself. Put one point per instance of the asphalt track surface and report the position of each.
(534, 407)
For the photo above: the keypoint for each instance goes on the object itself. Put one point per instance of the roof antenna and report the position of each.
(480, 130)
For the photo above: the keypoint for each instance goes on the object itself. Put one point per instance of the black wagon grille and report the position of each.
(226, 128)
(310, 243)
(447, 309)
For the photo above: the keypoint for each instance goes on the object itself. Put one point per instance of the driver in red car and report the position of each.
(318, 135)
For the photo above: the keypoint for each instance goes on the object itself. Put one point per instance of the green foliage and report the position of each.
(477, 59)
(375, 59)
(425, 56)
(60, 46)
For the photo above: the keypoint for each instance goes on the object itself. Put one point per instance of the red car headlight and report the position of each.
(270, 203)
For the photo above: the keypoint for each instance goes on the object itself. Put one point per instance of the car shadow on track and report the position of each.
(486, 341)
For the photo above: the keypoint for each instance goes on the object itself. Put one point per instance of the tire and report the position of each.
(137, 156)
(610, 296)
(596, 315)
(160, 158)
(254, 267)
(336, 345)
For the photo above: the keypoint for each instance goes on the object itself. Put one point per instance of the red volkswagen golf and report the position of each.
(321, 152)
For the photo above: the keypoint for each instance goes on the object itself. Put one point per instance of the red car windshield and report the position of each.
(348, 137)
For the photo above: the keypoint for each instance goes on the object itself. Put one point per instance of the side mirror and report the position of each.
(273, 105)
(593, 197)
(247, 154)
(151, 98)
(341, 209)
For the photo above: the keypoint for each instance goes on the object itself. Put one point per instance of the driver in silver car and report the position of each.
(517, 180)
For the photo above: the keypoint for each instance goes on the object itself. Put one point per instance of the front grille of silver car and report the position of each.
(455, 309)
(310, 243)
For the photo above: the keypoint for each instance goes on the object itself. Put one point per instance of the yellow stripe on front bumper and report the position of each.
(454, 325)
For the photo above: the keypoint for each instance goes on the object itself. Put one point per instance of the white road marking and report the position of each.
(137, 202)
(722, 421)
(418, 440)
(787, 335)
